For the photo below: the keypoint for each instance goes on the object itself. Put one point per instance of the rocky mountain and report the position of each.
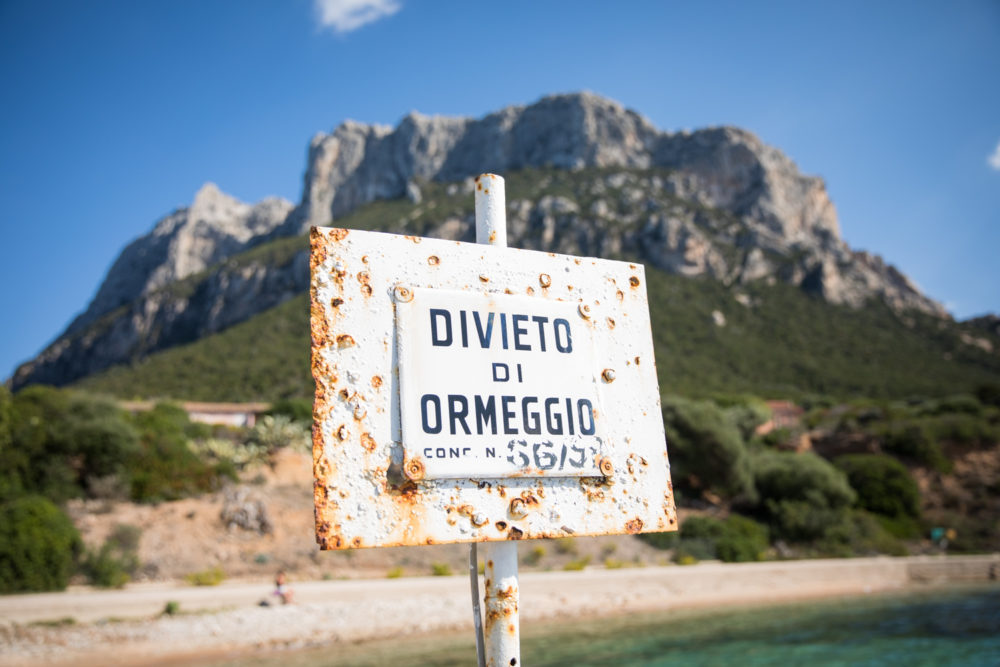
(715, 202)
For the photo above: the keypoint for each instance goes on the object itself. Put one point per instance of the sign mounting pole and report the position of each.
(503, 635)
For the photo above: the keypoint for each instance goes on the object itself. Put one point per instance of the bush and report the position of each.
(914, 441)
(883, 484)
(746, 414)
(734, 539)
(117, 561)
(38, 546)
(64, 442)
(273, 433)
(577, 565)
(694, 549)
(801, 494)
(858, 533)
(660, 540)
(210, 577)
(706, 449)
(166, 467)
(441, 569)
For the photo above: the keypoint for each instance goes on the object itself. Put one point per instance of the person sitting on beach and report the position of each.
(281, 588)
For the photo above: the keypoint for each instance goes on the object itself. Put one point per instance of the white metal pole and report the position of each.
(500, 600)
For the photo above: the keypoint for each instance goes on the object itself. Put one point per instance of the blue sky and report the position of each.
(114, 113)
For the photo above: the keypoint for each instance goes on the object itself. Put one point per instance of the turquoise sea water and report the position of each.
(941, 627)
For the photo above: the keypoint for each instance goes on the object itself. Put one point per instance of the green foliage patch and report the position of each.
(38, 546)
(883, 484)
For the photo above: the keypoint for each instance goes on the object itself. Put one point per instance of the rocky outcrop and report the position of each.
(715, 202)
(185, 242)
(726, 169)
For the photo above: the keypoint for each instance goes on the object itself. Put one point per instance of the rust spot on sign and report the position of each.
(345, 340)
(336, 302)
(634, 526)
(376, 381)
(433, 260)
(633, 281)
(368, 442)
(515, 533)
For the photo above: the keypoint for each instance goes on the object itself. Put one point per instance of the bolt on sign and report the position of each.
(467, 393)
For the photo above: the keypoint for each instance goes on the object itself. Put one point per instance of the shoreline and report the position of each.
(356, 611)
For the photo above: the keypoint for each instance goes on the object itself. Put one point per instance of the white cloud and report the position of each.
(994, 159)
(346, 15)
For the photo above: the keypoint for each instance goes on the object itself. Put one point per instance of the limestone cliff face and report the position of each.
(781, 210)
(183, 243)
(715, 202)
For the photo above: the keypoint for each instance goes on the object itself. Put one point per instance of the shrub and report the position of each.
(858, 533)
(566, 545)
(746, 414)
(441, 569)
(534, 556)
(117, 561)
(691, 550)
(166, 467)
(66, 441)
(913, 440)
(660, 540)
(274, 432)
(883, 484)
(210, 577)
(801, 494)
(394, 573)
(706, 449)
(38, 546)
(578, 564)
(734, 539)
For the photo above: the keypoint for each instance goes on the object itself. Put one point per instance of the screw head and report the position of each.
(402, 294)
(584, 310)
(606, 467)
(414, 470)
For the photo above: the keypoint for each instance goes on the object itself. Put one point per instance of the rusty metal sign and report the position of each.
(469, 393)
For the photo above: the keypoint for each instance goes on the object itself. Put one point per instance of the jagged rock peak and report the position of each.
(188, 240)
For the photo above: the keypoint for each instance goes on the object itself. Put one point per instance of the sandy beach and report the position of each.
(126, 627)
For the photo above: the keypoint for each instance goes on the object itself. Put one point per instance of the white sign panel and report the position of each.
(422, 347)
(493, 385)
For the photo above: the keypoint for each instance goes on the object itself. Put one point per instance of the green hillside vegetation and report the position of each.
(58, 445)
(786, 344)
